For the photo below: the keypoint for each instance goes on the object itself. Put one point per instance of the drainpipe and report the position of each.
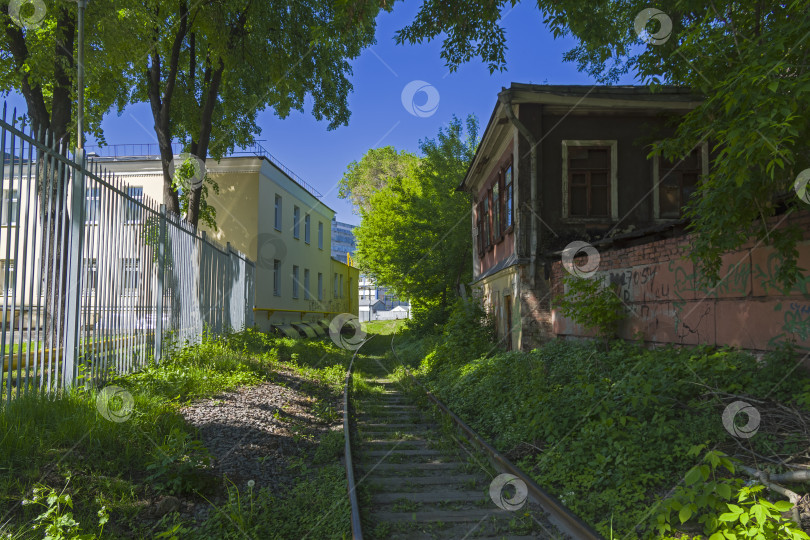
(506, 100)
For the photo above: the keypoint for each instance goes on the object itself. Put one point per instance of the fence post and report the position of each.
(73, 285)
(161, 273)
(228, 296)
(205, 308)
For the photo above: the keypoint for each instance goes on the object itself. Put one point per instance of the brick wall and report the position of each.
(666, 304)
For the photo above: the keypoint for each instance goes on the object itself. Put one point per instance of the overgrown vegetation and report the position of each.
(82, 474)
(592, 304)
(610, 432)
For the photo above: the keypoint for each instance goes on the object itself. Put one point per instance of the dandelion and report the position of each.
(251, 483)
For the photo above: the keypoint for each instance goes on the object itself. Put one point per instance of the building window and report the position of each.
(306, 228)
(336, 286)
(485, 217)
(276, 277)
(495, 195)
(295, 277)
(8, 284)
(306, 284)
(278, 213)
(675, 182)
(320, 235)
(296, 222)
(12, 197)
(133, 208)
(479, 228)
(129, 271)
(320, 286)
(589, 179)
(508, 196)
(341, 285)
(92, 205)
(90, 270)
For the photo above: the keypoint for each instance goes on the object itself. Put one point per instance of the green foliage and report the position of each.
(288, 514)
(747, 60)
(56, 522)
(64, 434)
(409, 237)
(373, 172)
(38, 62)
(706, 498)
(208, 69)
(605, 431)
(592, 304)
(181, 183)
(178, 464)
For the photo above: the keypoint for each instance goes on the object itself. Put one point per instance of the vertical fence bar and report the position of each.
(161, 247)
(74, 269)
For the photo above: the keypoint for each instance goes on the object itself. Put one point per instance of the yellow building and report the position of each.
(276, 221)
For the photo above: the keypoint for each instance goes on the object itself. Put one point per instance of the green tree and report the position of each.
(414, 235)
(378, 167)
(209, 68)
(748, 59)
(37, 51)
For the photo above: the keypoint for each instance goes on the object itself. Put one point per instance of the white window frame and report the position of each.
(96, 202)
(320, 235)
(307, 227)
(614, 180)
(277, 215)
(320, 286)
(295, 275)
(132, 211)
(296, 222)
(704, 170)
(130, 266)
(306, 284)
(15, 206)
(276, 277)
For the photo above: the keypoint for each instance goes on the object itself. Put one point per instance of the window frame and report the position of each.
(129, 266)
(5, 219)
(320, 286)
(613, 198)
(320, 235)
(276, 277)
(495, 210)
(97, 203)
(296, 222)
(132, 210)
(704, 166)
(277, 216)
(509, 198)
(307, 228)
(307, 295)
(296, 273)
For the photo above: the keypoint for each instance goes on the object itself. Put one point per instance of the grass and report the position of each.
(63, 442)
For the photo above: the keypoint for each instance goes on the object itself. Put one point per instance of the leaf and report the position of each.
(685, 514)
(692, 476)
(724, 490)
(728, 516)
(783, 506)
(735, 509)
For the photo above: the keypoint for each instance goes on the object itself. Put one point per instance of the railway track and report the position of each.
(416, 473)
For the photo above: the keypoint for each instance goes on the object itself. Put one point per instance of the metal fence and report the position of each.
(96, 277)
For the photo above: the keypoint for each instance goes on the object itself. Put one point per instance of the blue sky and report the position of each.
(378, 116)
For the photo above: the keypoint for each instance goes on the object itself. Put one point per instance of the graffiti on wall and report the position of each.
(669, 301)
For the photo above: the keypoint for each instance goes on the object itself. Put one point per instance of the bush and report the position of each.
(593, 304)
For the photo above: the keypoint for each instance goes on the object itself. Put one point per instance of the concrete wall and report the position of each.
(666, 304)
